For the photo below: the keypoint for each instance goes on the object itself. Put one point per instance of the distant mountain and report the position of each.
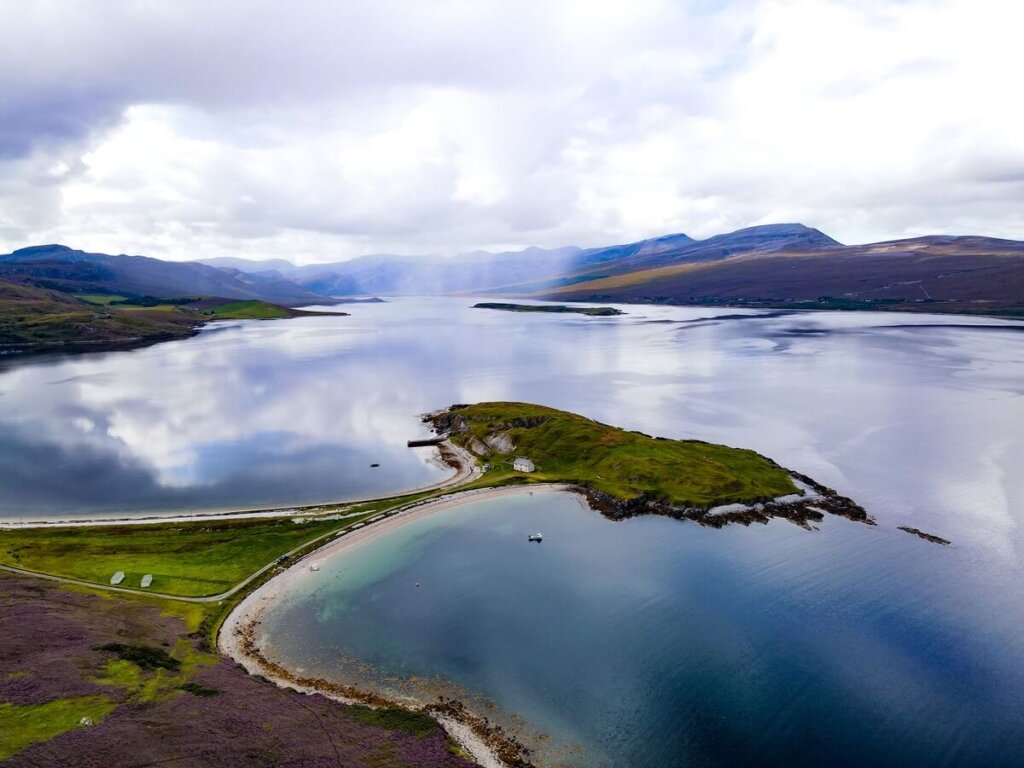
(249, 265)
(424, 275)
(679, 249)
(60, 268)
(771, 265)
(530, 269)
(939, 273)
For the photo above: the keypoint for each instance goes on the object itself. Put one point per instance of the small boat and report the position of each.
(314, 567)
(535, 537)
(375, 465)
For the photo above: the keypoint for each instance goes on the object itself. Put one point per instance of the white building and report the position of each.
(522, 465)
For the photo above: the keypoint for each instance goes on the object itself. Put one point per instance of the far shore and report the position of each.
(237, 637)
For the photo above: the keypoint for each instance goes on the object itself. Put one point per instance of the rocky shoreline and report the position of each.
(502, 748)
(804, 510)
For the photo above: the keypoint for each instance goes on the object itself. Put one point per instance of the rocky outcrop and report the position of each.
(926, 536)
(500, 442)
(804, 510)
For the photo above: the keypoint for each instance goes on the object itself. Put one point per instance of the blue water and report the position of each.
(653, 642)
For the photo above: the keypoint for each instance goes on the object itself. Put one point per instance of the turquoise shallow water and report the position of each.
(653, 642)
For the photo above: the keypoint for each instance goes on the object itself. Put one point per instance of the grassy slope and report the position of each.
(37, 316)
(31, 316)
(570, 448)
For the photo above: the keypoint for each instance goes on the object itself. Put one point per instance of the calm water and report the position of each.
(650, 642)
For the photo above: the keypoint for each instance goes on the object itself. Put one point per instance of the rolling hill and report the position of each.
(33, 317)
(57, 267)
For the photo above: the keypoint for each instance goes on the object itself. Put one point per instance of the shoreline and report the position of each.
(449, 454)
(236, 638)
(489, 745)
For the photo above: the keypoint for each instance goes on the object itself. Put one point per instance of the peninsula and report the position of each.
(174, 592)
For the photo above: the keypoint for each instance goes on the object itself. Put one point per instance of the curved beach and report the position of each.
(237, 634)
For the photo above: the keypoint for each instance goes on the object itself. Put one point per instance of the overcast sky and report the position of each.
(324, 130)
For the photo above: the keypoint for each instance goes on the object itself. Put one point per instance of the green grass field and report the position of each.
(573, 449)
(190, 559)
(21, 726)
(102, 299)
(248, 310)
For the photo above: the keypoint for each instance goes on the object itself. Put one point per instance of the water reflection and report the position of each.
(917, 417)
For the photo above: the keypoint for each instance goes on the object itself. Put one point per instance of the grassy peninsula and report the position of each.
(568, 448)
(553, 308)
(626, 473)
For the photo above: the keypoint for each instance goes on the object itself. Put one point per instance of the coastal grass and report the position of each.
(248, 310)
(568, 448)
(192, 559)
(21, 726)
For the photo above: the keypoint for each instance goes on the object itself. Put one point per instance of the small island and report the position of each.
(554, 308)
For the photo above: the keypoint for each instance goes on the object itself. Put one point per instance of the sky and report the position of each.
(320, 131)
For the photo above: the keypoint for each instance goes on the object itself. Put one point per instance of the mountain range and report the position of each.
(773, 265)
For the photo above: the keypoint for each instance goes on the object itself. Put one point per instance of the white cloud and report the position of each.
(187, 129)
